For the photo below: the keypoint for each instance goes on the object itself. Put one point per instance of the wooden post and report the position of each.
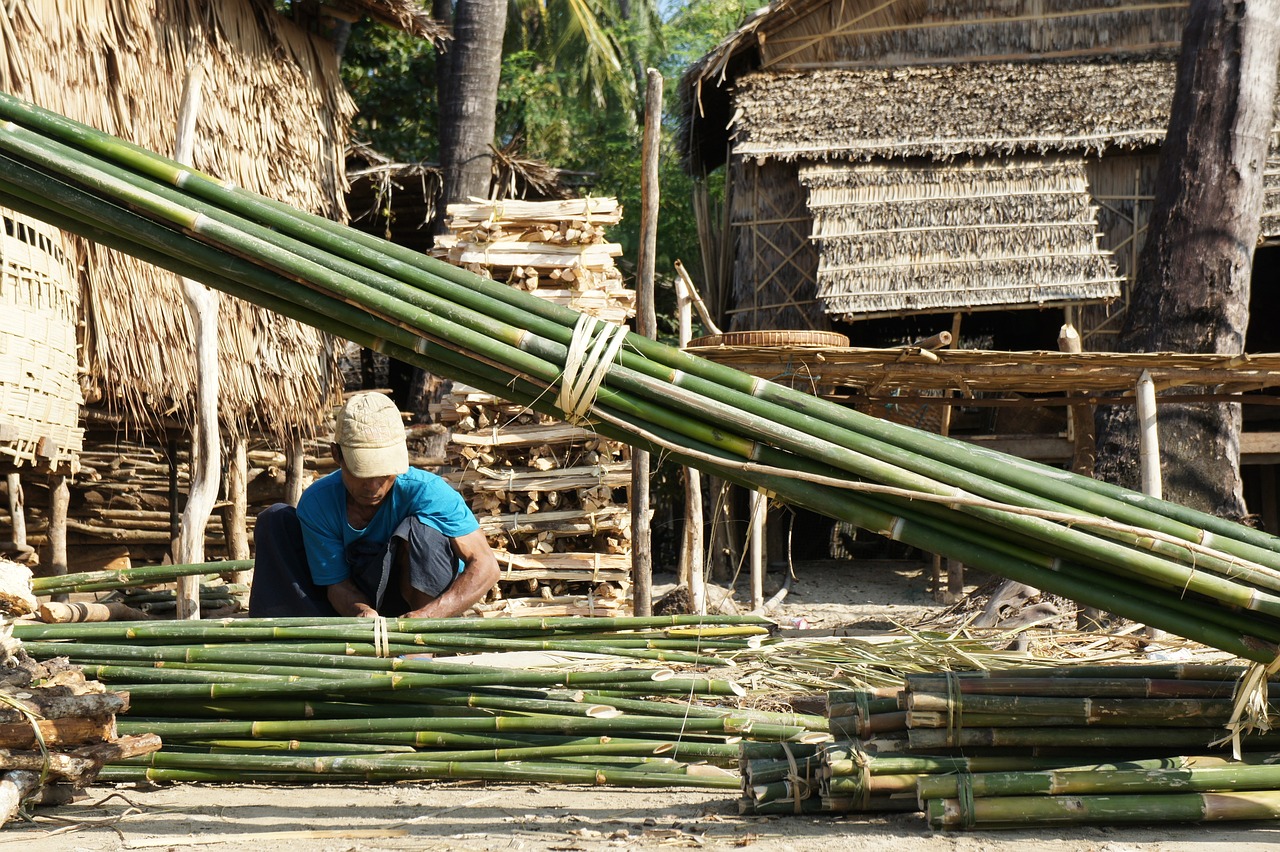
(1080, 423)
(692, 549)
(1148, 437)
(721, 540)
(758, 506)
(1149, 449)
(59, 503)
(206, 449)
(295, 471)
(647, 325)
(235, 520)
(17, 511)
(1083, 451)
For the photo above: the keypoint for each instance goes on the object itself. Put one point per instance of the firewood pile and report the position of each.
(557, 249)
(547, 496)
(57, 729)
(550, 496)
(119, 512)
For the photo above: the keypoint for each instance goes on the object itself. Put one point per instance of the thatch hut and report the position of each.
(275, 119)
(918, 156)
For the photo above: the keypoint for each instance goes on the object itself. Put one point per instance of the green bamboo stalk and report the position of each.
(1082, 544)
(1100, 782)
(270, 746)
(1101, 687)
(307, 728)
(1148, 619)
(136, 576)
(1024, 811)
(365, 249)
(387, 768)
(1181, 739)
(1089, 710)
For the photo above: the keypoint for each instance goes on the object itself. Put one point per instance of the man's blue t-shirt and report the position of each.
(322, 511)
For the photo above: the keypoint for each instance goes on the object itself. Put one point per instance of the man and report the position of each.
(376, 537)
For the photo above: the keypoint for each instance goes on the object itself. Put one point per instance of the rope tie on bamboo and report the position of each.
(863, 703)
(964, 799)
(1250, 711)
(863, 764)
(799, 785)
(594, 345)
(381, 637)
(954, 709)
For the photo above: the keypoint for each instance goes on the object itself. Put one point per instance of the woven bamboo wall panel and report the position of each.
(903, 237)
(40, 394)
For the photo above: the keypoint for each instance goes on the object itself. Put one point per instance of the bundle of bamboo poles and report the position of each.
(1089, 743)
(1202, 788)
(1186, 572)
(289, 700)
(1127, 707)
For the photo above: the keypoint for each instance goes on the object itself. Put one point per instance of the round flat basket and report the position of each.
(772, 338)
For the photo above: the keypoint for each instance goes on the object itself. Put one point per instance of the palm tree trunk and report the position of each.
(1191, 292)
(469, 107)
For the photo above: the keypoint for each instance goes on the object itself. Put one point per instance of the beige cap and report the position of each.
(371, 434)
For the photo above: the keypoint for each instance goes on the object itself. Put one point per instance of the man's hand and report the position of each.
(480, 574)
(347, 599)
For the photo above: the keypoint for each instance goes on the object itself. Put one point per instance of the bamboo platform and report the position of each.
(915, 371)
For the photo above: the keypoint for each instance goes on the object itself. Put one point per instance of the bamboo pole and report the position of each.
(632, 379)
(646, 326)
(202, 306)
(692, 541)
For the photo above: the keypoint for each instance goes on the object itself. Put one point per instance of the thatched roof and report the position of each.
(980, 109)
(923, 236)
(274, 120)
(791, 35)
(407, 15)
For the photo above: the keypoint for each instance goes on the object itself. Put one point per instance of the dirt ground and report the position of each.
(477, 816)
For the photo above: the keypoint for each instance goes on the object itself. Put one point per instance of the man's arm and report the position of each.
(481, 572)
(347, 599)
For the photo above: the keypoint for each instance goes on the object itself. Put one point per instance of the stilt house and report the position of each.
(919, 156)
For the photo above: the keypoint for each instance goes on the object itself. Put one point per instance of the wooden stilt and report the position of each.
(235, 517)
(758, 505)
(691, 560)
(59, 503)
(1149, 449)
(295, 471)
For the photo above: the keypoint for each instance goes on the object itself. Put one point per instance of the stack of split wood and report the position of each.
(550, 495)
(557, 249)
(57, 729)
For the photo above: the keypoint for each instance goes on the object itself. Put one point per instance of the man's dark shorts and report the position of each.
(282, 584)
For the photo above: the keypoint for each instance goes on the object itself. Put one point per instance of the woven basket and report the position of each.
(772, 338)
(40, 393)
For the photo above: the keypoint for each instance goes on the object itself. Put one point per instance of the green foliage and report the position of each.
(391, 76)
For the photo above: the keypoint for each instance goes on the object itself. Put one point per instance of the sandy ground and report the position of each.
(476, 816)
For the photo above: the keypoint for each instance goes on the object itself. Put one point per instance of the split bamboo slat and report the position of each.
(512, 464)
(1186, 572)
